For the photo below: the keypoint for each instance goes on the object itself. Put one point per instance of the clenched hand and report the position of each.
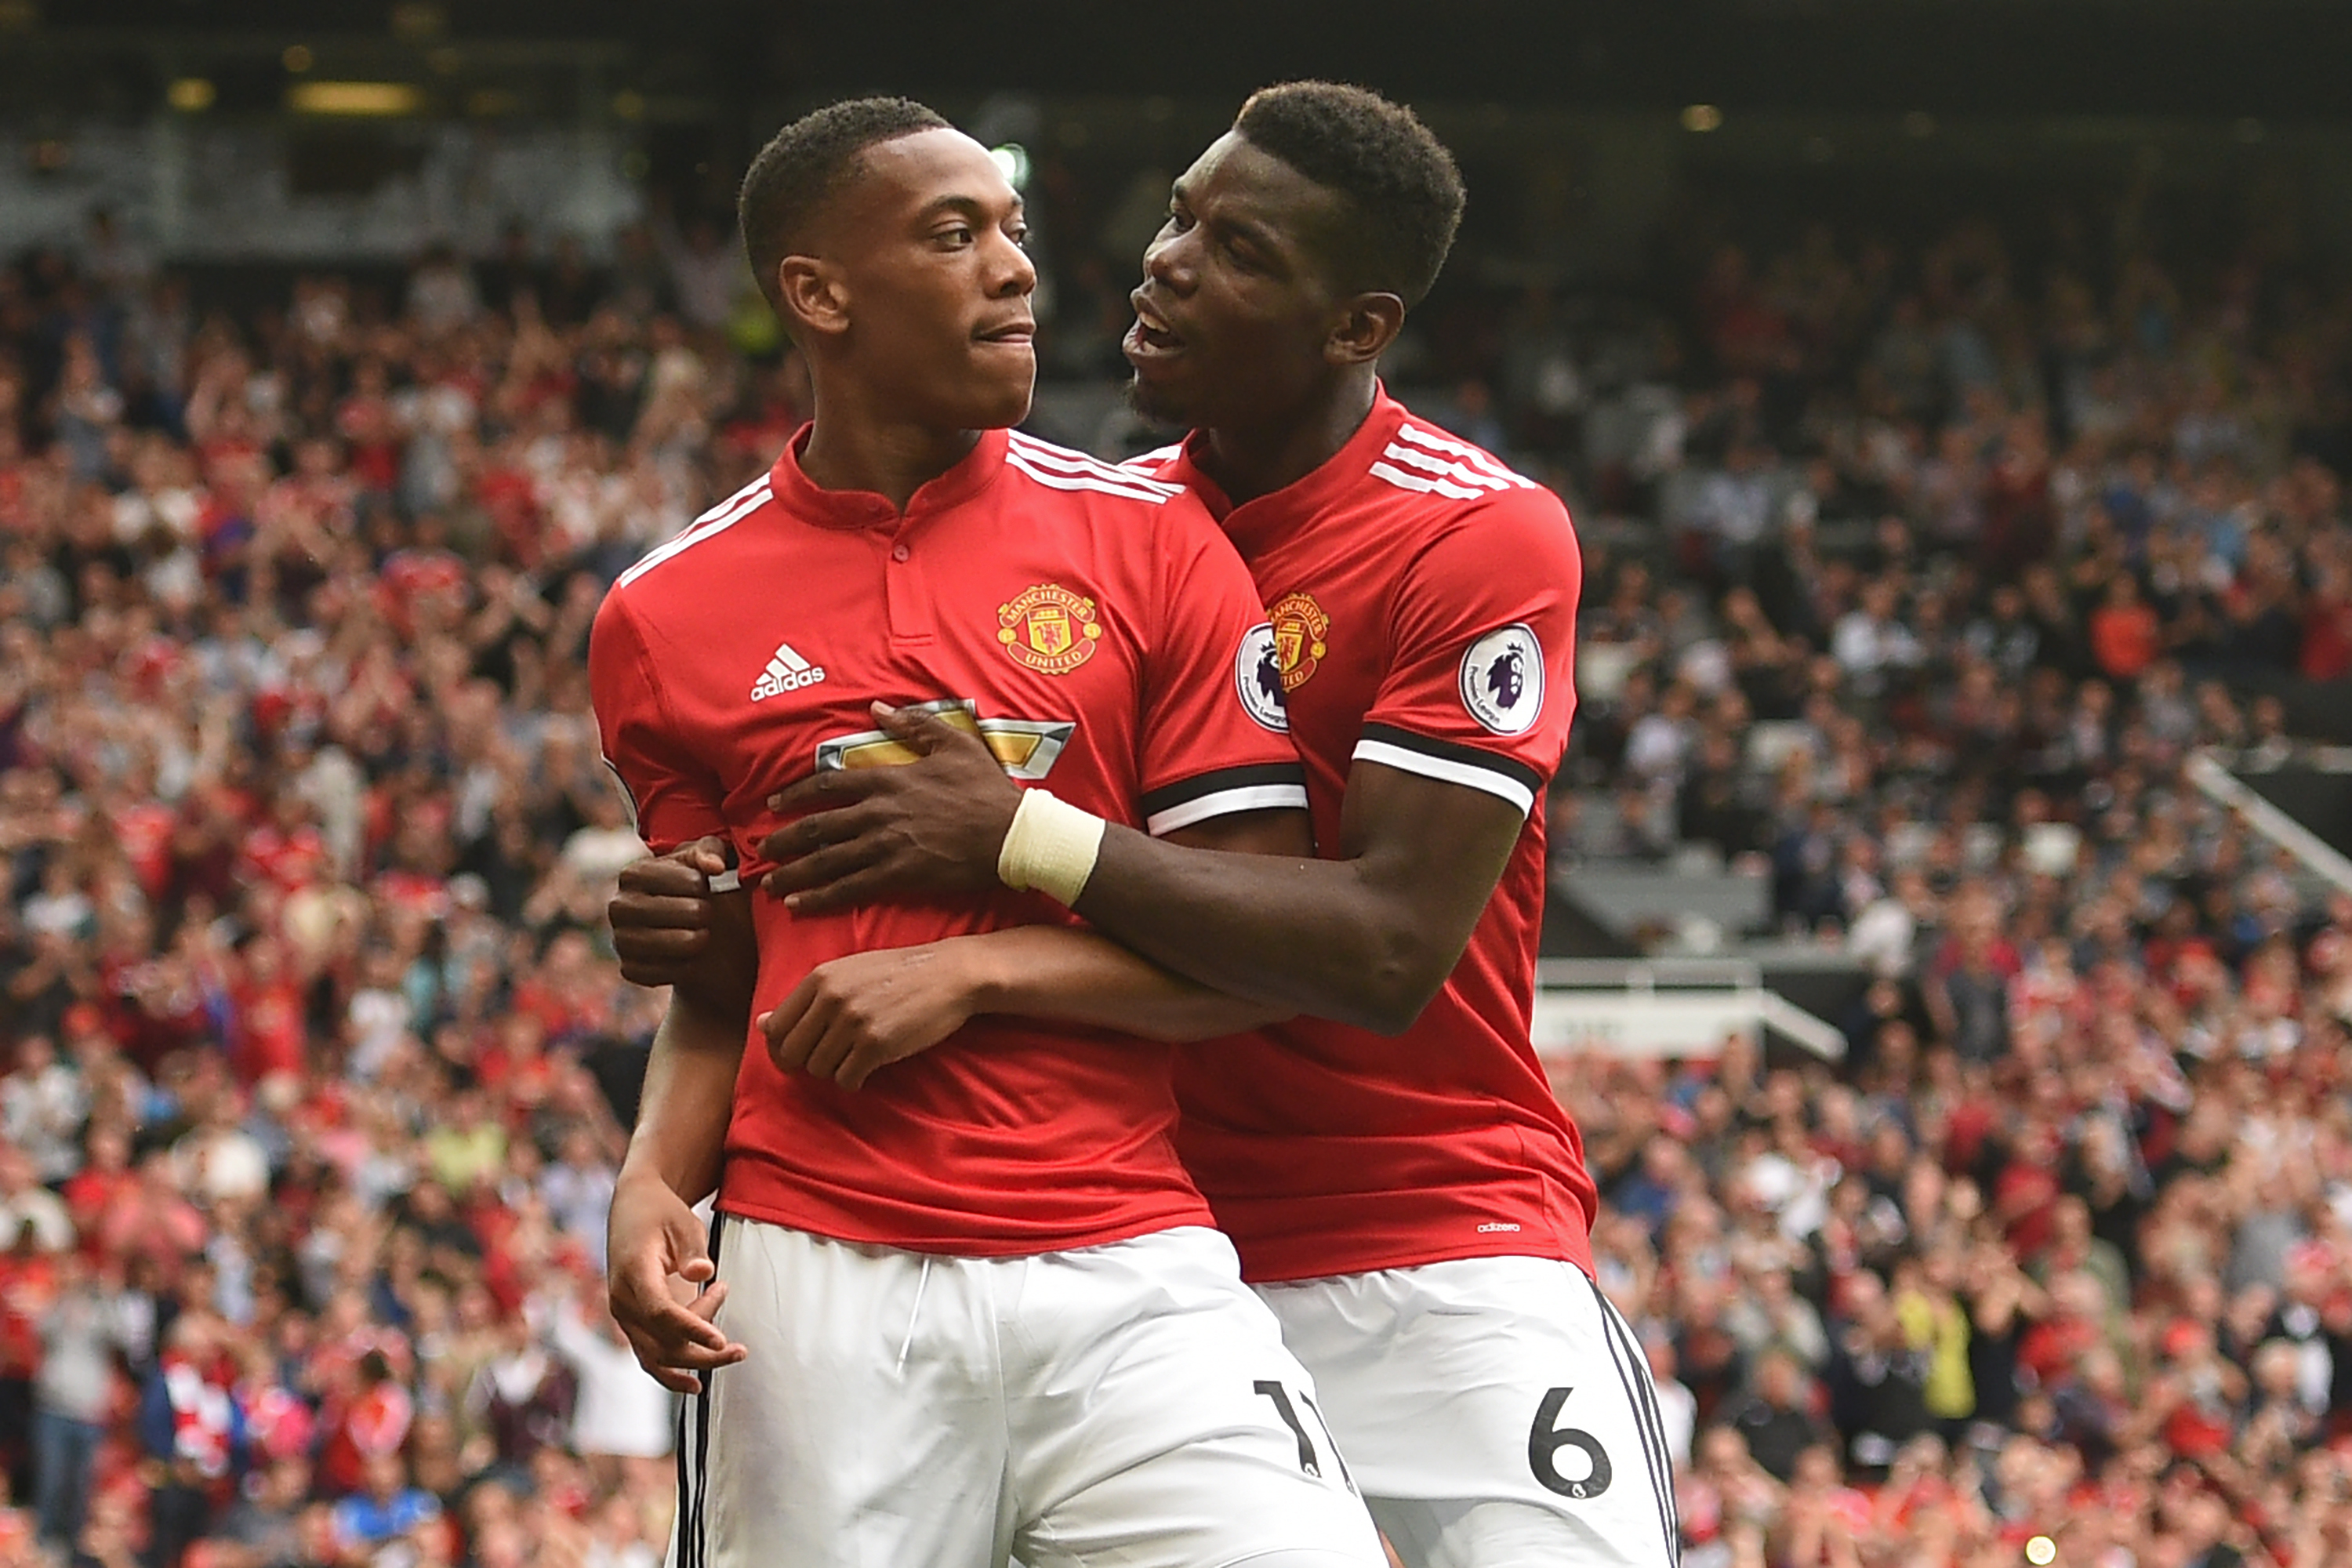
(661, 916)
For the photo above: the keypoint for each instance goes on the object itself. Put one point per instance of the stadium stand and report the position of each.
(1916, 585)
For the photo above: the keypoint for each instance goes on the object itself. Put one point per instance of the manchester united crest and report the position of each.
(1048, 629)
(1299, 624)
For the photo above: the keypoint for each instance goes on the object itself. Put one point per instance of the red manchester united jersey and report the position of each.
(1421, 599)
(1090, 624)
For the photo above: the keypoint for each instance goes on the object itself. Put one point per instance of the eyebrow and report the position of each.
(1257, 239)
(970, 207)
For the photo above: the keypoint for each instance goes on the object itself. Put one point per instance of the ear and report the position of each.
(813, 297)
(1367, 324)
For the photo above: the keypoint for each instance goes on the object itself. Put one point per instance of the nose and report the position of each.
(1017, 275)
(1168, 261)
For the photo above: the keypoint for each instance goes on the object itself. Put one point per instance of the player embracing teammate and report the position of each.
(1403, 1189)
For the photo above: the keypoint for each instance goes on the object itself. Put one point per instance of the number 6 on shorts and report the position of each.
(1546, 1438)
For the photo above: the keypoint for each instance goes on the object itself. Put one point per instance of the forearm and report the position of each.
(689, 1094)
(719, 988)
(1301, 935)
(1076, 977)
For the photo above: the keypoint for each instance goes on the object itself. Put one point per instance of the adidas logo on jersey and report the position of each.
(786, 672)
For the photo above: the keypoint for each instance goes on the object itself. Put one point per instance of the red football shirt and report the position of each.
(1422, 601)
(1090, 624)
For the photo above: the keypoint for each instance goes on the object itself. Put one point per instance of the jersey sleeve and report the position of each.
(1214, 737)
(671, 797)
(1480, 687)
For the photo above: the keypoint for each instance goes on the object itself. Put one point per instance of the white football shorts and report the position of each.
(1496, 1411)
(1128, 1405)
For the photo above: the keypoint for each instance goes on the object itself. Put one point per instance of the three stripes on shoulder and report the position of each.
(1434, 464)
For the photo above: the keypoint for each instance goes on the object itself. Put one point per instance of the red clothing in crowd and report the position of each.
(89, 1193)
(203, 1423)
(375, 1423)
(28, 1284)
(144, 831)
(271, 1033)
(2050, 1349)
(288, 860)
(2326, 638)
(2125, 639)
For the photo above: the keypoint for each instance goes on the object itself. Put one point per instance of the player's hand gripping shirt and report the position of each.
(1087, 623)
(1422, 601)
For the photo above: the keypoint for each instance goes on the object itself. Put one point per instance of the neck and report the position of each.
(1247, 464)
(853, 446)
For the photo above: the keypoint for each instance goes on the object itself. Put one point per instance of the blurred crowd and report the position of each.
(317, 1063)
(1959, 571)
(305, 1132)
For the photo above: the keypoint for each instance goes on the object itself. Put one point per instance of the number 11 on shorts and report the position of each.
(1307, 1461)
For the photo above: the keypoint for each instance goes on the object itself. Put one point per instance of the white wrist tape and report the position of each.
(1050, 846)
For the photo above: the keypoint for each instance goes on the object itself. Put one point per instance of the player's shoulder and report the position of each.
(1450, 488)
(1136, 511)
(685, 562)
(1059, 475)
(1450, 477)
(1156, 463)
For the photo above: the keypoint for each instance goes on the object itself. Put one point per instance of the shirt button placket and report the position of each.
(910, 608)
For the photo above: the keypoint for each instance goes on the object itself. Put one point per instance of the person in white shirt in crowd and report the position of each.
(1677, 1405)
(441, 292)
(578, 1191)
(1884, 929)
(621, 1417)
(1871, 642)
(217, 1157)
(82, 1333)
(43, 1105)
(1735, 506)
(706, 269)
(24, 1201)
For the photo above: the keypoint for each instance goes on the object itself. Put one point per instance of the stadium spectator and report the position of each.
(82, 1331)
(1776, 1421)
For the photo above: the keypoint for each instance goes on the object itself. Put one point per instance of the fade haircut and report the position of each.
(1401, 192)
(806, 164)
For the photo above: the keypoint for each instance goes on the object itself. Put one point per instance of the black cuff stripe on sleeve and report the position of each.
(1455, 751)
(1168, 796)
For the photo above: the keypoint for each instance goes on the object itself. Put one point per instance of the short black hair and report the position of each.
(805, 165)
(1402, 190)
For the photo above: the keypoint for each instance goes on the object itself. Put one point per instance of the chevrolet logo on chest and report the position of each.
(1024, 748)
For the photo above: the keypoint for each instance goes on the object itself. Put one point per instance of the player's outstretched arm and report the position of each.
(661, 1280)
(1367, 938)
(854, 1014)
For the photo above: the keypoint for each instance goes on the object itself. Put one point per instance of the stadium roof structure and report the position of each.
(2279, 59)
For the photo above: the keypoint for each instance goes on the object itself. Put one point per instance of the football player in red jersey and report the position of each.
(977, 1307)
(1401, 1185)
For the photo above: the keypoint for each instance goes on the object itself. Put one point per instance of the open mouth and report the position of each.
(1151, 334)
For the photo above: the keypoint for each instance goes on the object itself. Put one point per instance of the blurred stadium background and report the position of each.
(1952, 946)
